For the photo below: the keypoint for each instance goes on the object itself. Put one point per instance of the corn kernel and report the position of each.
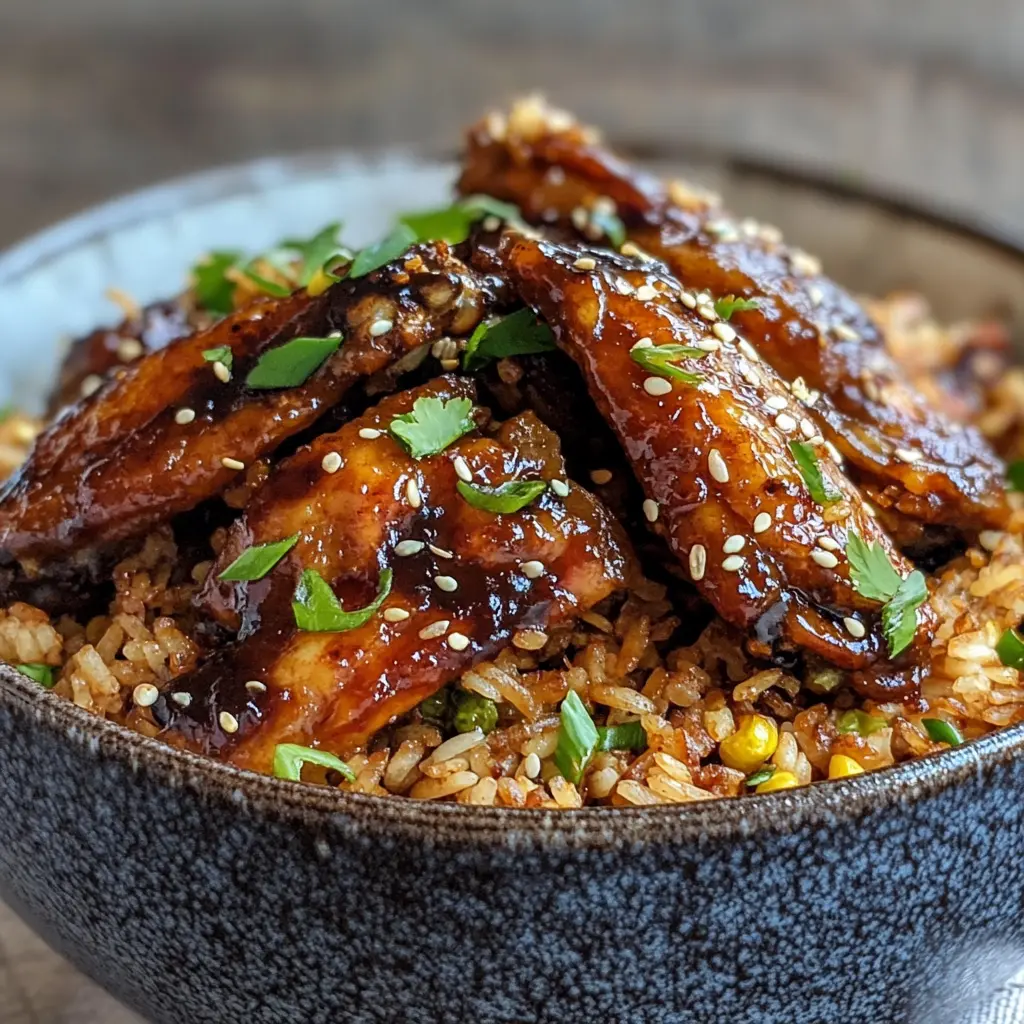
(750, 745)
(780, 780)
(840, 767)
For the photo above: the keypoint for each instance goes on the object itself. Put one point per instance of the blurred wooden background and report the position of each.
(100, 96)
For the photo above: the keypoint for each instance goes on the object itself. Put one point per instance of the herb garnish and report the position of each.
(875, 578)
(318, 610)
(941, 731)
(221, 354)
(860, 722)
(761, 775)
(42, 674)
(807, 463)
(659, 359)
(729, 304)
(577, 738)
(390, 247)
(627, 736)
(432, 425)
(214, 291)
(254, 563)
(1015, 475)
(290, 757)
(507, 497)
(610, 225)
(1010, 648)
(292, 363)
(518, 334)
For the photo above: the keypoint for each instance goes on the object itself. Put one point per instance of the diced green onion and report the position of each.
(1010, 649)
(860, 723)
(42, 674)
(387, 249)
(220, 354)
(318, 610)
(761, 775)
(292, 363)
(290, 757)
(627, 736)
(941, 731)
(254, 563)
(508, 497)
(577, 738)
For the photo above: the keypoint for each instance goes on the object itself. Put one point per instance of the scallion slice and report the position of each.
(941, 731)
(290, 757)
(577, 738)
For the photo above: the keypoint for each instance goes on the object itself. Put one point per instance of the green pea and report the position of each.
(474, 712)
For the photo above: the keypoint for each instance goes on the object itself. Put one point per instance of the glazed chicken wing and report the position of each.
(464, 579)
(709, 430)
(917, 466)
(179, 426)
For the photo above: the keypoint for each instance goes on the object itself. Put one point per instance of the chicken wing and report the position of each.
(178, 426)
(916, 465)
(709, 432)
(464, 580)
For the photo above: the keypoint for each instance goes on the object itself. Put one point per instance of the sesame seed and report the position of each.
(228, 722)
(446, 583)
(688, 299)
(369, 433)
(642, 343)
(825, 559)
(530, 639)
(762, 522)
(129, 349)
(441, 552)
(807, 428)
(733, 563)
(854, 627)
(645, 293)
(815, 439)
(845, 332)
(560, 487)
(651, 510)
(719, 470)
(145, 695)
(449, 364)
(90, 385)
(812, 397)
(531, 765)
(462, 470)
(404, 548)
(229, 463)
(834, 453)
(708, 344)
(657, 386)
(221, 372)
(334, 334)
(799, 389)
(770, 234)
(255, 686)
(435, 629)
(331, 462)
(708, 312)
(698, 561)
(724, 332)
(750, 375)
(776, 402)
(458, 641)
(532, 569)
(734, 543)
(748, 350)
(579, 218)
(909, 455)
(816, 295)
(491, 223)
(184, 415)
(829, 544)
(395, 614)
(785, 422)
(412, 494)
(804, 263)
(601, 476)
(379, 327)
(585, 263)
(182, 699)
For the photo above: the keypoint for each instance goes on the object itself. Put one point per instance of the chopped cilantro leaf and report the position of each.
(214, 291)
(517, 334)
(220, 354)
(387, 249)
(433, 424)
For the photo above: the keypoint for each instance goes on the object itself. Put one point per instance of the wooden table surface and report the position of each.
(921, 97)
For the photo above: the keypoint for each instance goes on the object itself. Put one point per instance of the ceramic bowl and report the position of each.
(201, 894)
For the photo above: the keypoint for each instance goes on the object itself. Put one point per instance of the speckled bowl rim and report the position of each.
(448, 823)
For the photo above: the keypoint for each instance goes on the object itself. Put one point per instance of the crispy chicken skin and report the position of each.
(126, 459)
(713, 455)
(336, 689)
(916, 465)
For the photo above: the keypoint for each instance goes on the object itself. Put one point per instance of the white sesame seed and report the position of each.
(623, 287)
(734, 543)
(334, 334)
(750, 375)
(845, 332)
(770, 234)
(785, 422)
(688, 299)
(228, 722)
(909, 455)
(531, 765)
(645, 293)
(733, 563)
(825, 559)
(698, 560)
(331, 462)
(229, 463)
(816, 295)
(854, 627)
(404, 548)
(762, 522)
(221, 372)
(708, 312)
(579, 218)
(491, 223)
(815, 439)
(462, 470)
(369, 433)
(90, 385)
(129, 349)
(716, 464)
(708, 344)
(449, 364)
(532, 569)
(184, 415)
(395, 614)
(807, 428)
(804, 263)
(799, 389)
(834, 453)
(412, 493)
(379, 327)
(585, 263)
(724, 332)
(530, 639)
(458, 641)
(651, 510)
(829, 544)
(642, 343)
(776, 403)
(560, 487)
(441, 552)
(601, 476)
(182, 699)
(435, 629)
(748, 350)
(657, 386)
(145, 695)
(255, 686)
(812, 397)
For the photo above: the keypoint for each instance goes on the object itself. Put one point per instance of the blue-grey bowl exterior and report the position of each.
(200, 894)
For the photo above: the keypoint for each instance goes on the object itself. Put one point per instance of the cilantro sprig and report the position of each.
(518, 334)
(807, 463)
(318, 610)
(390, 247)
(220, 354)
(452, 224)
(433, 424)
(659, 359)
(729, 304)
